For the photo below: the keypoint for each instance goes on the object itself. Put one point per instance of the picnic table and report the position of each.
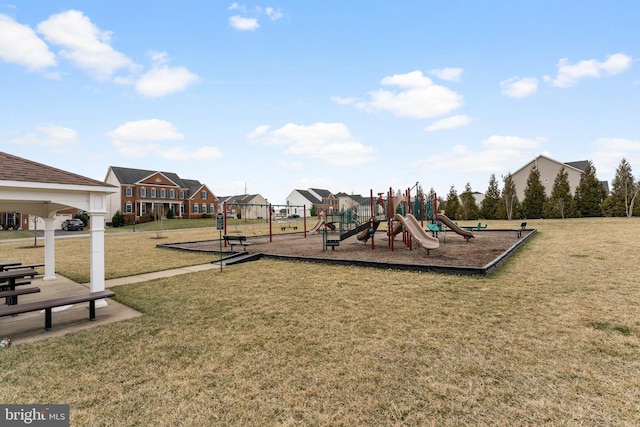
(9, 279)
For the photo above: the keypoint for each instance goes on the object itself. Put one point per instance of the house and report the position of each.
(548, 169)
(329, 202)
(247, 206)
(147, 193)
(298, 200)
(346, 201)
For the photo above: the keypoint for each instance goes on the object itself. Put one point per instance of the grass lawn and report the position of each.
(552, 338)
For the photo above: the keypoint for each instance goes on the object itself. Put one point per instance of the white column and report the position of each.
(49, 249)
(97, 252)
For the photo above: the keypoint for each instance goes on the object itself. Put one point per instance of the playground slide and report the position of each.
(452, 225)
(365, 235)
(317, 226)
(414, 228)
(397, 229)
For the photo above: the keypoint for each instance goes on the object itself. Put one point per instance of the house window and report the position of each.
(203, 195)
(212, 208)
(163, 194)
(128, 192)
(181, 195)
(143, 208)
(204, 208)
(128, 208)
(153, 192)
(181, 210)
(143, 192)
(172, 194)
(196, 208)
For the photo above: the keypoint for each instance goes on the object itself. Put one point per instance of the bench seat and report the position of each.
(48, 305)
(237, 240)
(12, 296)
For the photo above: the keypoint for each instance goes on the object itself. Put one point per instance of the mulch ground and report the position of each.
(454, 250)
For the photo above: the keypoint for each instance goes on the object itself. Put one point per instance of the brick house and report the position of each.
(146, 193)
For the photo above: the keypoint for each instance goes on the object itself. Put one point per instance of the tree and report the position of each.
(560, 204)
(469, 208)
(452, 204)
(623, 193)
(117, 220)
(509, 197)
(491, 202)
(590, 193)
(534, 195)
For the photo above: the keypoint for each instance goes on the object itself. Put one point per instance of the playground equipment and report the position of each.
(413, 227)
(454, 227)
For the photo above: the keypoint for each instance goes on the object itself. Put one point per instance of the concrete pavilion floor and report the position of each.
(29, 327)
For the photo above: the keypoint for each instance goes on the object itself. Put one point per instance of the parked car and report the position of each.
(72, 224)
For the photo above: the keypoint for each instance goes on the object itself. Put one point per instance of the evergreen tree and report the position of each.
(560, 204)
(510, 204)
(452, 204)
(491, 202)
(534, 195)
(623, 193)
(469, 208)
(590, 193)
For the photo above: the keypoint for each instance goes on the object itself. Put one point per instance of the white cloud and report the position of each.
(499, 153)
(164, 80)
(146, 130)
(610, 151)
(259, 132)
(142, 137)
(20, 45)
(243, 24)
(331, 143)
(516, 87)
(419, 98)
(58, 139)
(84, 44)
(569, 74)
(273, 14)
(449, 123)
(449, 74)
(344, 101)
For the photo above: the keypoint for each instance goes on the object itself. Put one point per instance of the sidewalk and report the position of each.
(29, 327)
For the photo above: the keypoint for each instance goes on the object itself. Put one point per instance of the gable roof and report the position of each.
(568, 164)
(310, 197)
(132, 176)
(239, 199)
(321, 192)
(580, 164)
(14, 168)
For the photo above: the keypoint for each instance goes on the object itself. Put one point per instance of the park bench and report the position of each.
(48, 305)
(523, 227)
(237, 240)
(12, 296)
(332, 244)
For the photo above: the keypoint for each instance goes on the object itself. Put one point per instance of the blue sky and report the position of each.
(347, 96)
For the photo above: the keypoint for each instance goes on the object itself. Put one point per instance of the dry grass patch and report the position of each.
(552, 338)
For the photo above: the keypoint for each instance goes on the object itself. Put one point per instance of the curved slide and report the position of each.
(365, 235)
(317, 226)
(452, 225)
(414, 228)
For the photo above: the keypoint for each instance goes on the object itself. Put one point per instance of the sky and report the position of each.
(356, 96)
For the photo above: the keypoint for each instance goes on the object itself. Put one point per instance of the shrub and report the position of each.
(82, 217)
(170, 214)
(117, 220)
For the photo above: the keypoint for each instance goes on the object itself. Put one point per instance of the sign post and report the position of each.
(220, 227)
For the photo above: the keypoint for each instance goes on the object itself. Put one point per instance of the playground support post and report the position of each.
(224, 211)
(373, 246)
(270, 223)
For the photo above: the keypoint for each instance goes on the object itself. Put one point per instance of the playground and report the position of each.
(360, 235)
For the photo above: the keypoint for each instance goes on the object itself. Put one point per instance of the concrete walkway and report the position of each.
(29, 327)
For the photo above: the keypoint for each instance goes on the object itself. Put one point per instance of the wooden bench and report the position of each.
(12, 278)
(48, 305)
(332, 244)
(237, 240)
(12, 296)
